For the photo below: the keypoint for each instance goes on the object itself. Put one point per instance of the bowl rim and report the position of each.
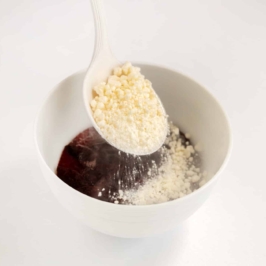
(158, 205)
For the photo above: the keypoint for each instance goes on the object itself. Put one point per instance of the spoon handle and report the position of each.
(101, 44)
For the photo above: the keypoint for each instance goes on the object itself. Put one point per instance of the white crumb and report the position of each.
(177, 176)
(128, 112)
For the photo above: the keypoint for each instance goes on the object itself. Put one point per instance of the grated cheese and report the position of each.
(177, 177)
(128, 112)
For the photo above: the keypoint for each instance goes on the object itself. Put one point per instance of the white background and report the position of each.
(222, 44)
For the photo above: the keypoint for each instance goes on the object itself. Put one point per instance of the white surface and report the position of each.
(63, 116)
(220, 45)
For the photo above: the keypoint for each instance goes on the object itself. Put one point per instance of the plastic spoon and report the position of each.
(101, 66)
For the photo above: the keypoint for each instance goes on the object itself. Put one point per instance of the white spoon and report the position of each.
(101, 66)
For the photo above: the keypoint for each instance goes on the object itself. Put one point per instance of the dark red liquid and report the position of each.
(90, 165)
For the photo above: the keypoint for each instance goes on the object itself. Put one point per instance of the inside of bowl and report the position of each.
(189, 106)
(62, 117)
(195, 111)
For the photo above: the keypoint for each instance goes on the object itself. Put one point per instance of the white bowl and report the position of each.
(189, 105)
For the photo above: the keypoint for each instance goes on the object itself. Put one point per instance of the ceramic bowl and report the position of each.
(189, 105)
